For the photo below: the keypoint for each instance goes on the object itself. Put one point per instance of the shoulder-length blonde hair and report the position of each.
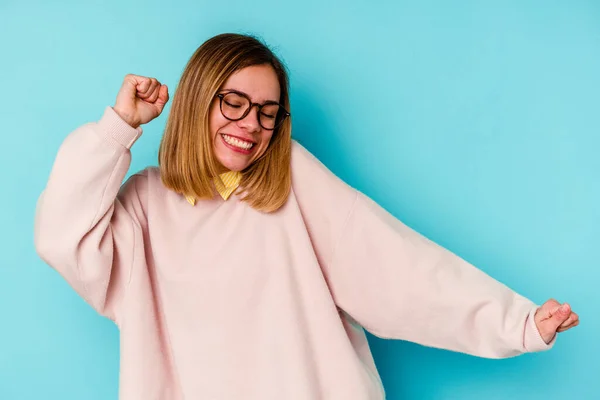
(186, 159)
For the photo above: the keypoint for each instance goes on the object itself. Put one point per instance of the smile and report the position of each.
(237, 143)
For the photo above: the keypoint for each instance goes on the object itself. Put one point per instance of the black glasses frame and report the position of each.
(282, 114)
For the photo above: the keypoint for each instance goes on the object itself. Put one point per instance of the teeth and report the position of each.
(238, 143)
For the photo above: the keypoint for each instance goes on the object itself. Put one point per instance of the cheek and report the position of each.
(265, 140)
(216, 121)
(267, 135)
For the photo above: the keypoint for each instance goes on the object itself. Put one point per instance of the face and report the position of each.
(237, 144)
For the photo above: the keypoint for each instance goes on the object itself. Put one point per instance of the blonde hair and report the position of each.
(186, 160)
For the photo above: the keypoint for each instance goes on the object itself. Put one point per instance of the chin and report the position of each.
(230, 161)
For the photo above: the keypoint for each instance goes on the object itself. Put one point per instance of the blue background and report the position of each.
(476, 123)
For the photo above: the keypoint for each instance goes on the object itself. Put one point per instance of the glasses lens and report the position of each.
(268, 115)
(234, 106)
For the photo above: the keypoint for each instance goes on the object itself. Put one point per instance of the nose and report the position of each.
(250, 122)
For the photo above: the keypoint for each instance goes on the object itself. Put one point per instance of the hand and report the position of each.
(140, 99)
(552, 317)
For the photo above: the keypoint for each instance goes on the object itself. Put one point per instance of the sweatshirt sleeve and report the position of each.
(88, 226)
(398, 284)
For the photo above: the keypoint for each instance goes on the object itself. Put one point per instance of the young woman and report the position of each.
(241, 267)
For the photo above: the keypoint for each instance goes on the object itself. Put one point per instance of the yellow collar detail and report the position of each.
(225, 184)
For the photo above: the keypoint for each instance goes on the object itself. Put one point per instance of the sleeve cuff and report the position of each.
(117, 130)
(532, 340)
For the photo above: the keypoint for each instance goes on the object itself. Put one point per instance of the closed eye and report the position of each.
(232, 105)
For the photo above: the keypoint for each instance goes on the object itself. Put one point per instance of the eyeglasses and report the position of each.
(236, 106)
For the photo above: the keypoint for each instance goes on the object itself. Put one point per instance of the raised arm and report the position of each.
(88, 226)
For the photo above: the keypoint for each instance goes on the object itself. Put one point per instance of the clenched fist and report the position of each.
(552, 317)
(140, 99)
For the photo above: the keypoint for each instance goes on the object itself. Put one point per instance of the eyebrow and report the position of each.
(246, 94)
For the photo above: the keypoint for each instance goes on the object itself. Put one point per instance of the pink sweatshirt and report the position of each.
(218, 301)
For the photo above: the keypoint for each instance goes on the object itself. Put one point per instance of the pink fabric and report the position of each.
(219, 301)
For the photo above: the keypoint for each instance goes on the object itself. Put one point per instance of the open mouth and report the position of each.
(237, 144)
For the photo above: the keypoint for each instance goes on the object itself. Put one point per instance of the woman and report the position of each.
(241, 268)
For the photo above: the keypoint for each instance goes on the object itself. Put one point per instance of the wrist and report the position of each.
(125, 117)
